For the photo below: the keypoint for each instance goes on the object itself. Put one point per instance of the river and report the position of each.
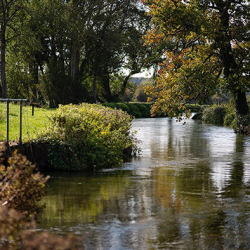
(189, 189)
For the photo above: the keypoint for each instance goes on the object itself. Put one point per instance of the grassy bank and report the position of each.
(32, 125)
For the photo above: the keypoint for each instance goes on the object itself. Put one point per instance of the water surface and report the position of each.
(190, 189)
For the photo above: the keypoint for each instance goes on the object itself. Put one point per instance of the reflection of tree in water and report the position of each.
(195, 215)
(235, 186)
(75, 199)
(179, 142)
(171, 207)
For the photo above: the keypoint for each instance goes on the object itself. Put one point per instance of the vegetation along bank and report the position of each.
(87, 136)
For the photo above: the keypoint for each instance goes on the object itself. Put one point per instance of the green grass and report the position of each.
(32, 125)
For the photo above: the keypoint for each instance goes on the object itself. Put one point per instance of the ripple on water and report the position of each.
(190, 189)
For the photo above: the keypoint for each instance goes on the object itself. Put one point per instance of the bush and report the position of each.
(20, 187)
(230, 119)
(137, 110)
(214, 114)
(20, 192)
(87, 136)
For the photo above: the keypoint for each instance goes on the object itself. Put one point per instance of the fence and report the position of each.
(8, 113)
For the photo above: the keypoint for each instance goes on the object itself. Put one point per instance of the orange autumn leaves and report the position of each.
(189, 68)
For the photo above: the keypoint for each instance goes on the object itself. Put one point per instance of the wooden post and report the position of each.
(8, 122)
(20, 131)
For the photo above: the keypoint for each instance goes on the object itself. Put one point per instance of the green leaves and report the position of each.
(210, 49)
(87, 136)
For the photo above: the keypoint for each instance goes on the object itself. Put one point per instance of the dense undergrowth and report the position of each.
(222, 114)
(87, 136)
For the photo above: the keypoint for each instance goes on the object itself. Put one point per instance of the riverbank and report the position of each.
(76, 137)
(81, 137)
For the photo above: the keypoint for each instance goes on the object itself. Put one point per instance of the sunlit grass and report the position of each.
(32, 125)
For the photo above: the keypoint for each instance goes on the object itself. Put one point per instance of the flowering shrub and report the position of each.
(87, 136)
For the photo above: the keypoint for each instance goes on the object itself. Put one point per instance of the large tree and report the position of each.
(209, 44)
(10, 22)
(71, 49)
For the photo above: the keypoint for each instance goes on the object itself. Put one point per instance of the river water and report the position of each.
(190, 189)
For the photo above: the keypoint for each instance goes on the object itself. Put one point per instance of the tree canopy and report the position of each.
(207, 48)
(69, 51)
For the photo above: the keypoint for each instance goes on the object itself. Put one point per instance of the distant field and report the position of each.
(31, 124)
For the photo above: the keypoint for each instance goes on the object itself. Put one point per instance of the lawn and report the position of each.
(32, 125)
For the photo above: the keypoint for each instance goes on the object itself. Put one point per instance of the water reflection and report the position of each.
(189, 190)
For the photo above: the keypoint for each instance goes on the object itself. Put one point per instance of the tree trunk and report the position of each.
(95, 88)
(242, 112)
(74, 62)
(106, 85)
(3, 63)
(230, 71)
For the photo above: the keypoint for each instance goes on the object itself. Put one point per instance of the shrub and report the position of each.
(230, 119)
(137, 110)
(214, 114)
(87, 136)
(20, 191)
(20, 187)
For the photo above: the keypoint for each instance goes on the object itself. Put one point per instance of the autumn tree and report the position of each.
(208, 48)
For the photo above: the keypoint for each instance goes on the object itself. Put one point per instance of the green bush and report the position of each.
(137, 110)
(230, 119)
(87, 136)
(214, 114)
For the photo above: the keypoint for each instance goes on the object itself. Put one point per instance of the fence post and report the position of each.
(20, 131)
(8, 121)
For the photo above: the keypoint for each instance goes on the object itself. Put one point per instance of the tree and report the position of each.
(209, 48)
(9, 13)
(69, 51)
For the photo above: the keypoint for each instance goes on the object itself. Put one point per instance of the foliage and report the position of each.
(137, 110)
(214, 114)
(207, 44)
(127, 96)
(87, 136)
(140, 95)
(220, 98)
(20, 191)
(230, 118)
(20, 188)
(71, 51)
